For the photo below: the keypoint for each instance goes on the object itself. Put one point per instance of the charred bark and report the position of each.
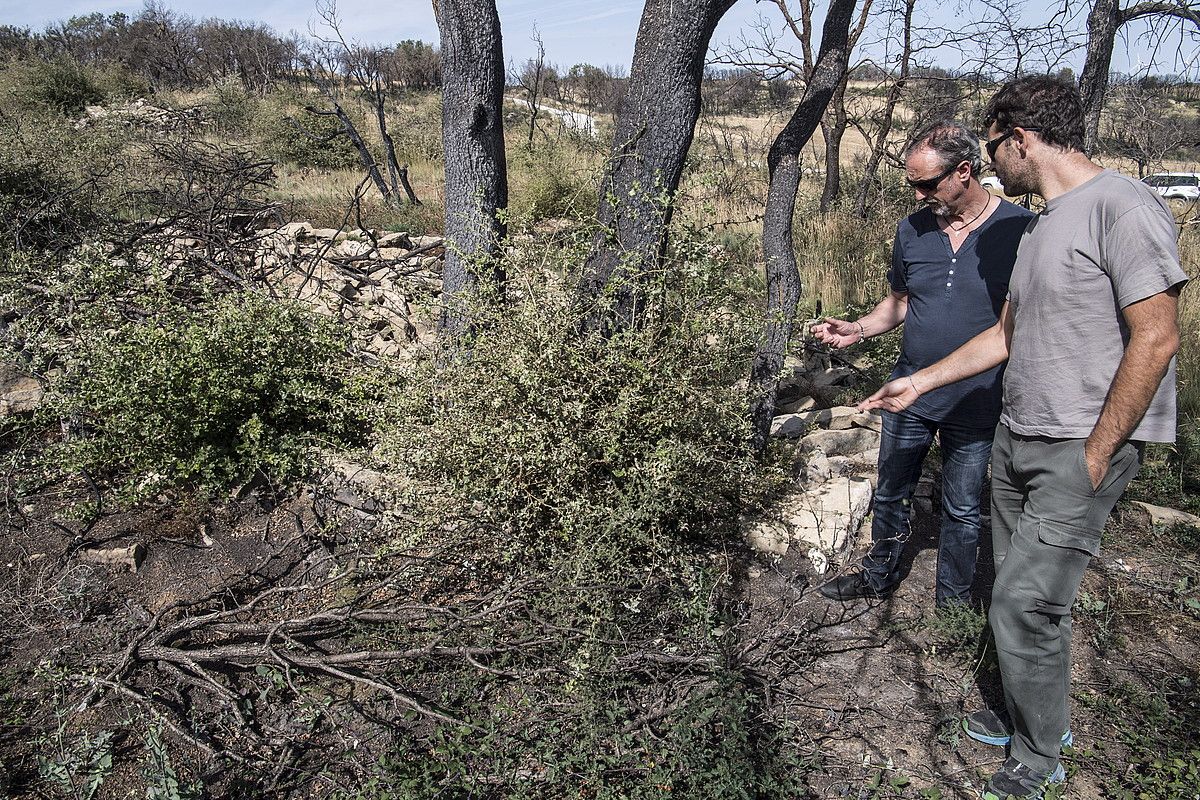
(833, 128)
(473, 142)
(653, 133)
(1104, 22)
(889, 113)
(783, 162)
(364, 153)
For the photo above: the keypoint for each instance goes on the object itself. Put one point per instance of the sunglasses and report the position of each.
(928, 185)
(992, 145)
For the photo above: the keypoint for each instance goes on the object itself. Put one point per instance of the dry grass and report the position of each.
(843, 260)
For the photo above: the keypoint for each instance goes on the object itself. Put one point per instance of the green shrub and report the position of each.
(287, 133)
(1155, 727)
(545, 184)
(417, 133)
(1170, 474)
(206, 398)
(626, 443)
(54, 182)
(60, 84)
(119, 83)
(231, 107)
(585, 744)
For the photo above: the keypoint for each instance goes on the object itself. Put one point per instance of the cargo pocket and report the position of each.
(1044, 566)
(1063, 534)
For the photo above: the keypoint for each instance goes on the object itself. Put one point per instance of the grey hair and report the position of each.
(951, 142)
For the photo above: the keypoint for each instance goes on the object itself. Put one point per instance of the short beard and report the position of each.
(939, 209)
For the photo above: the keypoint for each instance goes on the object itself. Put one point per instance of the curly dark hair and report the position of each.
(1051, 106)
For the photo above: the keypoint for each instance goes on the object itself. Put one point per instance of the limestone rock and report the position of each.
(824, 519)
(19, 393)
(797, 406)
(844, 417)
(389, 253)
(298, 230)
(131, 556)
(397, 239)
(818, 468)
(769, 536)
(821, 519)
(841, 443)
(793, 425)
(1161, 515)
(837, 418)
(426, 241)
(352, 249)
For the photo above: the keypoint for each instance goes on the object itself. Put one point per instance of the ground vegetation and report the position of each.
(512, 569)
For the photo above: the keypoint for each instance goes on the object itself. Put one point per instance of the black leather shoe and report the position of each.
(853, 586)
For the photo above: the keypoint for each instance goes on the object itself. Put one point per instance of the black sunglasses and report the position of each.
(992, 145)
(928, 185)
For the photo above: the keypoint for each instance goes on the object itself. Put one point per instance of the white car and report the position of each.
(992, 182)
(1175, 185)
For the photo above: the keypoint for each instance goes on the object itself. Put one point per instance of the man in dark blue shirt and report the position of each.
(951, 263)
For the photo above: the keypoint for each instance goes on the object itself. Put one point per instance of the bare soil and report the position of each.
(890, 681)
(875, 690)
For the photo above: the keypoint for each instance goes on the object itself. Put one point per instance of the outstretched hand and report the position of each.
(893, 396)
(837, 333)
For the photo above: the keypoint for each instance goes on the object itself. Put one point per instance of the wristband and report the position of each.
(862, 333)
(914, 386)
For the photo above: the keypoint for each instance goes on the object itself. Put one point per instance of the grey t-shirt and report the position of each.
(1093, 251)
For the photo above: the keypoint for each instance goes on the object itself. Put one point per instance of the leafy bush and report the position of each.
(546, 184)
(53, 182)
(1156, 727)
(418, 136)
(60, 84)
(624, 444)
(231, 106)
(206, 398)
(287, 133)
(584, 743)
(1170, 474)
(593, 477)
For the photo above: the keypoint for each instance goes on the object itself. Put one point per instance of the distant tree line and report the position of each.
(170, 50)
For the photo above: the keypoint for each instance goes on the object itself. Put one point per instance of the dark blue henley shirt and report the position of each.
(951, 298)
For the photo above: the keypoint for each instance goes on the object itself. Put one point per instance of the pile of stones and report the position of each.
(836, 450)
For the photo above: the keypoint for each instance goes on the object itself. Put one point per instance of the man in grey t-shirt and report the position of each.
(1090, 333)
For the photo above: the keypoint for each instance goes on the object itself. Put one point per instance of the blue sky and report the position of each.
(594, 31)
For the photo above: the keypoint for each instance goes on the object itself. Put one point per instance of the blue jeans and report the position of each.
(902, 448)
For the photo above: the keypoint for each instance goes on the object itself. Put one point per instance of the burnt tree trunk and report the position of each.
(364, 152)
(783, 163)
(473, 142)
(1104, 22)
(833, 128)
(397, 174)
(835, 121)
(324, 84)
(653, 133)
(889, 114)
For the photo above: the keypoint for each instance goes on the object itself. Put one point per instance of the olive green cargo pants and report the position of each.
(1046, 524)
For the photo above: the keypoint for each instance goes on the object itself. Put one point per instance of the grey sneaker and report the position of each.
(1015, 780)
(987, 727)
